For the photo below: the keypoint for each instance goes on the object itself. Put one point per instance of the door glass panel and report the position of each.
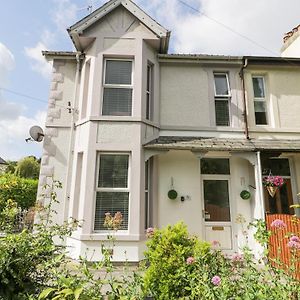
(216, 198)
(275, 166)
(282, 200)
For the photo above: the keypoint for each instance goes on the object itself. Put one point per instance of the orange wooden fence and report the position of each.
(279, 252)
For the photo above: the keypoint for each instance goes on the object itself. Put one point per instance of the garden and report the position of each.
(176, 265)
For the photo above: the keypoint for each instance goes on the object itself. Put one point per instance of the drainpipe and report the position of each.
(259, 187)
(73, 111)
(244, 97)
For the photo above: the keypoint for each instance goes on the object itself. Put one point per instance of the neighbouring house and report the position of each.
(127, 123)
(3, 165)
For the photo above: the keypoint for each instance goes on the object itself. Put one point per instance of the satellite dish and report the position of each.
(36, 133)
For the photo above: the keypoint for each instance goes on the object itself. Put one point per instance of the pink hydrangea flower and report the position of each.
(293, 245)
(150, 232)
(295, 238)
(277, 223)
(216, 280)
(190, 260)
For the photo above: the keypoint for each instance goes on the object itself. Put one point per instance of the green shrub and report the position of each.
(28, 167)
(22, 190)
(168, 274)
(182, 267)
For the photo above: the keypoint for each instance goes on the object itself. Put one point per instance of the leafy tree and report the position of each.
(28, 167)
(11, 166)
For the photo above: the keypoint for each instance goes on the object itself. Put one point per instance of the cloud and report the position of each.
(192, 32)
(64, 14)
(7, 64)
(9, 110)
(39, 63)
(13, 135)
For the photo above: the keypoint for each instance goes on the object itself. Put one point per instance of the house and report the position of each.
(3, 165)
(127, 123)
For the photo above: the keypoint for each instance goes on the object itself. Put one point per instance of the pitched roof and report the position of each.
(2, 161)
(289, 34)
(77, 29)
(210, 144)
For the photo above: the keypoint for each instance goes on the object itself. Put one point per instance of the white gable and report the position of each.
(77, 31)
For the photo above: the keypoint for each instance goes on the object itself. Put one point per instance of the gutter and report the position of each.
(245, 113)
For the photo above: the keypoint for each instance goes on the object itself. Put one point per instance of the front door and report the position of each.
(215, 174)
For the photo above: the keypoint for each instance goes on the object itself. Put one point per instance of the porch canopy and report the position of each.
(221, 144)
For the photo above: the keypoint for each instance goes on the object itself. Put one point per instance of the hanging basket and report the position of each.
(172, 194)
(272, 190)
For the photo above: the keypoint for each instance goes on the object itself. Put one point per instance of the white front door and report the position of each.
(216, 202)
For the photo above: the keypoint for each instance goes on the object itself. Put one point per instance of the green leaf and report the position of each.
(77, 293)
(45, 293)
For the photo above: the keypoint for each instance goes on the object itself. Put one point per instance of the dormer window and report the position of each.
(222, 99)
(117, 88)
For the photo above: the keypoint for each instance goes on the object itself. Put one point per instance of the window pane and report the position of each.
(215, 166)
(221, 85)
(216, 199)
(149, 78)
(258, 87)
(117, 102)
(118, 72)
(222, 112)
(111, 202)
(275, 166)
(260, 113)
(113, 171)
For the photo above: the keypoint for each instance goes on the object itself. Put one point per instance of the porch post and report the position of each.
(259, 207)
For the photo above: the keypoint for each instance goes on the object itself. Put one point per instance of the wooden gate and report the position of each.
(280, 253)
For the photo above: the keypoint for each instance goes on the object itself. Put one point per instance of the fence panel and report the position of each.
(279, 253)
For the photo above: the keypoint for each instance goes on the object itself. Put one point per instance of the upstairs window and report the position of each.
(259, 100)
(222, 99)
(149, 92)
(112, 191)
(117, 88)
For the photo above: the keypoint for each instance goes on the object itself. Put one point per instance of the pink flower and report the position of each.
(216, 280)
(277, 223)
(150, 232)
(215, 243)
(190, 260)
(273, 181)
(236, 257)
(295, 238)
(293, 245)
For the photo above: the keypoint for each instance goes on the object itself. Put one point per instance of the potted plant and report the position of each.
(272, 184)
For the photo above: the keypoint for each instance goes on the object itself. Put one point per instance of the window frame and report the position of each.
(148, 193)
(228, 85)
(111, 190)
(260, 99)
(149, 92)
(222, 98)
(117, 86)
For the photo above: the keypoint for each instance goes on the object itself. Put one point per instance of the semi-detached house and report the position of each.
(127, 122)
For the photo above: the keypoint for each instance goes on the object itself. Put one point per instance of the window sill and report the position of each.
(117, 119)
(102, 236)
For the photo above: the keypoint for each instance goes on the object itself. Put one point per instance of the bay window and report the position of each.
(112, 189)
(117, 88)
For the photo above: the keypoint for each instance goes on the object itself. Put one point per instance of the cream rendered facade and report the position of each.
(175, 138)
